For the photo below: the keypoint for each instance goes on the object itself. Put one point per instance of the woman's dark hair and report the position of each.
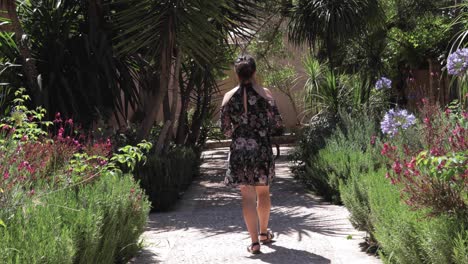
(245, 67)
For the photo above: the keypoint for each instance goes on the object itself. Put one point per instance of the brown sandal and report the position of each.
(269, 238)
(251, 249)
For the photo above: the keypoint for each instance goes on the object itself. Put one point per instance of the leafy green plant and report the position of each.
(130, 156)
(98, 211)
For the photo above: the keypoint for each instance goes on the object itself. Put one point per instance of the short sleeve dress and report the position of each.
(250, 159)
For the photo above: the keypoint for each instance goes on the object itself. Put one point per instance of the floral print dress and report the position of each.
(250, 159)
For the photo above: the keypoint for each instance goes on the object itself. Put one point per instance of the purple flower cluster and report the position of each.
(383, 83)
(457, 62)
(396, 119)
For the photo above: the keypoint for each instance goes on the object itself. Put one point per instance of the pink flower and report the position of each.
(23, 165)
(411, 164)
(70, 122)
(427, 121)
(396, 167)
(435, 152)
(6, 175)
(385, 149)
(373, 138)
(447, 111)
(441, 165)
(58, 119)
(465, 115)
(60, 133)
(32, 192)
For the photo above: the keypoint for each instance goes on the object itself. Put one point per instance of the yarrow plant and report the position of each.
(457, 62)
(394, 120)
(383, 83)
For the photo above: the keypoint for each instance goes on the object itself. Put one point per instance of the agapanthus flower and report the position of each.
(395, 120)
(457, 62)
(383, 83)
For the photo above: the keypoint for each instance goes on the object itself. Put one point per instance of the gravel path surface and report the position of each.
(207, 224)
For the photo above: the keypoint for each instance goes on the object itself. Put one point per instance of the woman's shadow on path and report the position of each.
(283, 255)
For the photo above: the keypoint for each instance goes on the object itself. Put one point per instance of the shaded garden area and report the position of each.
(107, 105)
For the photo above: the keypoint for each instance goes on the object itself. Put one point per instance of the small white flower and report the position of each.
(253, 100)
(240, 143)
(244, 119)
(262, 133)
(251, 144)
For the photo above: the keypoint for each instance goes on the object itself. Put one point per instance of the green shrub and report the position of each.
(355, 196)
(407, 236)
(62, 199)
(164, 177)
(344, 153)
(460, 250)
(97, 223)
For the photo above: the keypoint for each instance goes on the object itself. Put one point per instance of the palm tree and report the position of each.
(168, 29)
(328, 23)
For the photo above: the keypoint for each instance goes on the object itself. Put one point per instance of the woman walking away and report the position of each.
(248, 115)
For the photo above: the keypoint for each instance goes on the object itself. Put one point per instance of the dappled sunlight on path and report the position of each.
(207, 224)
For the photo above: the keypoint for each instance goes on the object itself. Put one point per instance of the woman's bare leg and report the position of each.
(249, 202)
(264, 207)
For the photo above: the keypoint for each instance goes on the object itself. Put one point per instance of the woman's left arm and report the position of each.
(276, 120)
(226, 124)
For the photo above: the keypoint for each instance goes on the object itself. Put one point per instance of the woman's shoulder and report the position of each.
(268, 92)
(229, 94)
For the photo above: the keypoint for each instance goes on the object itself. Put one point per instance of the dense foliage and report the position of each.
(408, 189)
(64, 198)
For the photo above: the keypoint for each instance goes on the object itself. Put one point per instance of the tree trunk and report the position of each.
(162, 138)
(29, 67)
(192, 137)
(175, 97)
(199, 115)
(166, 107)
(165, 67)
(182, 129)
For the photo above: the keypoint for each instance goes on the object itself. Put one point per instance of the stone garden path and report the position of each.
(207, 225)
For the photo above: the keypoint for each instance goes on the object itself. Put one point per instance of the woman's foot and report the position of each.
(254, 248)
(267, 237)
